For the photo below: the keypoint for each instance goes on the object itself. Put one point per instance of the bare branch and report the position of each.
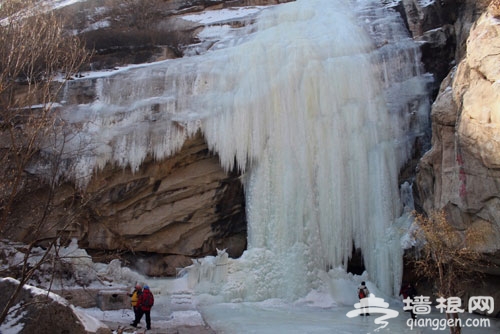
(445, 257)
(37, 57)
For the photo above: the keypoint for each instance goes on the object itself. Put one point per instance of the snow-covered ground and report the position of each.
(217, 16)
(174, 307)
(184, 307)
(177, 309)
(177, 306)
(317, 313)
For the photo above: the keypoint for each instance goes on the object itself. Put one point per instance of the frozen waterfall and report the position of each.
(318, 103)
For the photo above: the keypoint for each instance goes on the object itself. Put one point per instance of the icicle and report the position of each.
(319, 110)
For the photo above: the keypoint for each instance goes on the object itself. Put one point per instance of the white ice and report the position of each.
(315, 104)
(222, 15)
(316, 313)
(322, 310)
(318, 110)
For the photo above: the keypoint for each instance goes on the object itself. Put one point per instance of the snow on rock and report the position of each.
(186, 318)
(91, 324)
(39, 311)
(425, 3)
(215, 16)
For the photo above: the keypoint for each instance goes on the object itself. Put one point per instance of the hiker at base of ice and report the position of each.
(363, 294)
(134, 301)
(145, 303)
(409, 291)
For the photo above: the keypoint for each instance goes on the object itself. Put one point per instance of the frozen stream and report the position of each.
(177, 307)
(263, 319)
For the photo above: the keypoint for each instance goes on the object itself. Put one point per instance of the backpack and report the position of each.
(148, 299)
(361, 293)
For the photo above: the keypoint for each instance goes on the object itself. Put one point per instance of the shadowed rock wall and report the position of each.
(158, 218)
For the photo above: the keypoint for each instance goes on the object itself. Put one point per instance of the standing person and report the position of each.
(404, 291)
(363, 294)
(134, 301)
(145, 303)
(412, 292)
(409, 292)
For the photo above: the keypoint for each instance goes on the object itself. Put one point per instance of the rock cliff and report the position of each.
(461, 171)
(167, 213)
(158, 218)
(187, 206)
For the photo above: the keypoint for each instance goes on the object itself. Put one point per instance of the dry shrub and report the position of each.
(444, 256)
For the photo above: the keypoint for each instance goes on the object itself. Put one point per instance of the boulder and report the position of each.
(113, 299)
(42, 312)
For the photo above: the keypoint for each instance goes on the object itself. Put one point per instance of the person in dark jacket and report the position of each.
(409, 291)
(145, 303)
(363, 294)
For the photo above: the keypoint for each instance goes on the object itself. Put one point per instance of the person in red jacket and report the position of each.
(145, 303)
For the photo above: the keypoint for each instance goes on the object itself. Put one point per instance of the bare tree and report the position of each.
(37, 57)
(446, 258)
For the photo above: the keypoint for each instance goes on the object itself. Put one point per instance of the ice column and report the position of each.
(305, 109)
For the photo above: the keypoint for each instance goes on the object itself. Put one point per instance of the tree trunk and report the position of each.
(455, 328)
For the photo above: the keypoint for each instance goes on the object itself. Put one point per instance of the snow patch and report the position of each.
(90, 323)
(425, 3)
(12, 324)
(37, 291)
(222, 15)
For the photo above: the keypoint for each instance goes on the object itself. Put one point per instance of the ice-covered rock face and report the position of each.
(318, 104)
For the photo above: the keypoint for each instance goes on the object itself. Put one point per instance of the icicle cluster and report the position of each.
(319, 113)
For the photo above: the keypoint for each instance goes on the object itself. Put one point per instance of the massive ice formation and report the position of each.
(317, 104)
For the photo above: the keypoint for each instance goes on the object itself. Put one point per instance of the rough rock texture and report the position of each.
(461, 173)
(158, 218)
(169, 207)
(137, 32)
(36, 312)
(442, 27)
